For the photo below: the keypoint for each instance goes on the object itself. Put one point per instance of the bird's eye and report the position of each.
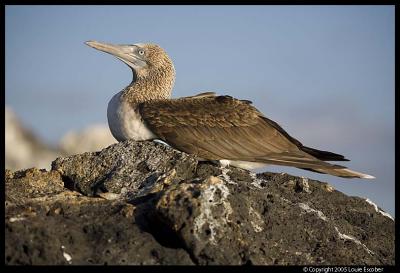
(141, 52)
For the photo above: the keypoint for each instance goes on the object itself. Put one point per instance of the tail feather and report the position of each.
(307, 161)
(312, 164)
(323, 155)
(346, 173)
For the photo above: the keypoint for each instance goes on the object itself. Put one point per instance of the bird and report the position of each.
(216, 128)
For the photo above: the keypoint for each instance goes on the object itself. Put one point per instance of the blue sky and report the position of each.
(324, 73)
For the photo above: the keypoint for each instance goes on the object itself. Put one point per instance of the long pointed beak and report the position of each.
(123, 52)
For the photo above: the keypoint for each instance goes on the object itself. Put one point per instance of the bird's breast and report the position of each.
(125, 121)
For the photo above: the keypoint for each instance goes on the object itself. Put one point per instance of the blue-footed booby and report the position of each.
(213, 127)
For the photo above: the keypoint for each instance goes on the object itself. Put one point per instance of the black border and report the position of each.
(173, 268)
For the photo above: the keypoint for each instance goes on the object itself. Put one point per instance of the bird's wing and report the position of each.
(222, 127)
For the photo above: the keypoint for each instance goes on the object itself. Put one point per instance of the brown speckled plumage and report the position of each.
(159, 77)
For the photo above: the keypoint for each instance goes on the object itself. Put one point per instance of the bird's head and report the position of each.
(144, 59)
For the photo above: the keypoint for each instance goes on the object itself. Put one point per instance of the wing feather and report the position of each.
(221, 127)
